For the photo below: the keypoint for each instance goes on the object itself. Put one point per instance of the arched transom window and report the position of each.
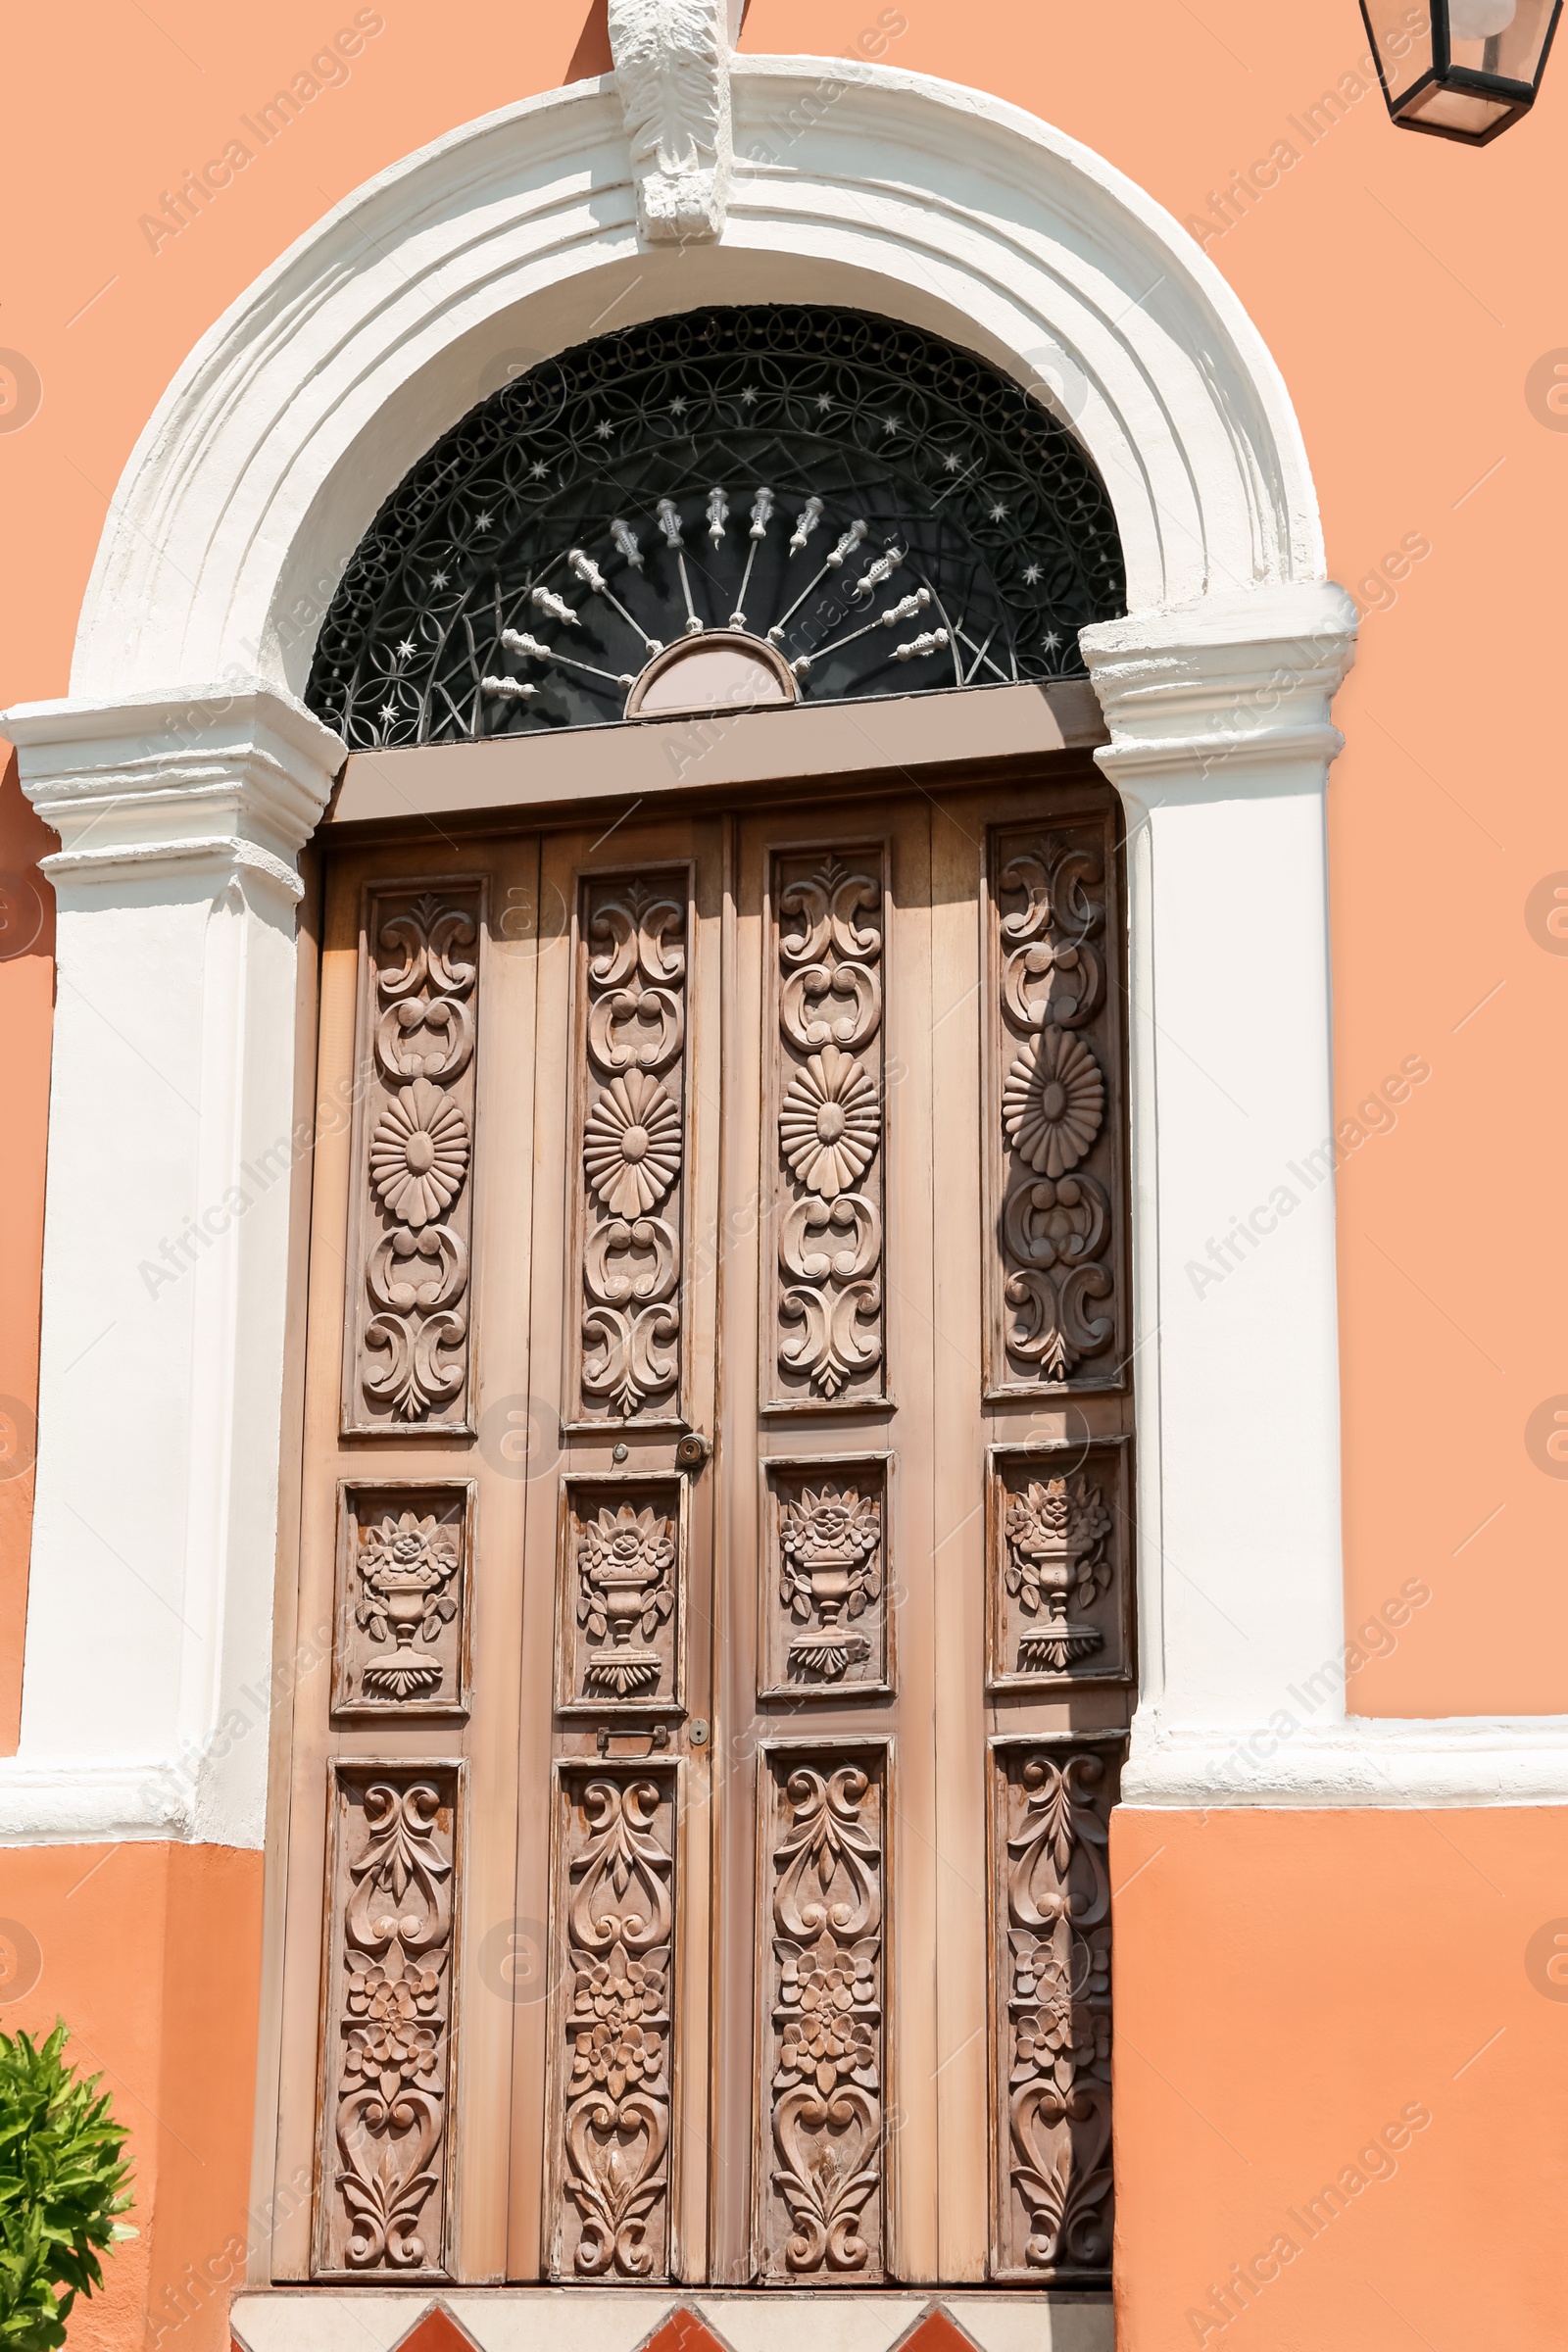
(762, 505)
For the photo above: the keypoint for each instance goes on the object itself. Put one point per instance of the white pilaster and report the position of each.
(1220, 748)
(165, 1242)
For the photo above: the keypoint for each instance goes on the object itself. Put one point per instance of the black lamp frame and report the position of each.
(1443, 73)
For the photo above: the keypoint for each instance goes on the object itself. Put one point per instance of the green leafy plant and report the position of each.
(61, 2178)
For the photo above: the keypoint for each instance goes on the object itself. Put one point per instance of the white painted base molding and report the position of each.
(543, 2319)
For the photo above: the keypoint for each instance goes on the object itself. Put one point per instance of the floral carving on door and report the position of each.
(821, 2159)
(407, 1347)
(382, 2210)
(609, 2187)
(631, 1083)
(618, 1642)
(1054, 1313)
(405, 1553)
(825, 1343)
(1051, 2162)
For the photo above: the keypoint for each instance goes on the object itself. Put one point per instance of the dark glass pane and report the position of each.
(889, 512)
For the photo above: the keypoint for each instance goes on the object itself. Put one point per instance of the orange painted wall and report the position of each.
(152, 1955)
(1287, 1987)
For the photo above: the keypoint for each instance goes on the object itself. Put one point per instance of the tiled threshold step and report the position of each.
(666, 2319)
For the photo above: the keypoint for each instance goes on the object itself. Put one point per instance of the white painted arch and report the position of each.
(307, 404)
(185, 777)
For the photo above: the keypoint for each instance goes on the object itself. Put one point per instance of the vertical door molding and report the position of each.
(1220, 745)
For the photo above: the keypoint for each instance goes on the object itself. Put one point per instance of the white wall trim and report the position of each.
(147, 1674)
(1456, 1761)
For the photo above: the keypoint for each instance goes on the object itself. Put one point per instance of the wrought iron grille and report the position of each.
(883, 511)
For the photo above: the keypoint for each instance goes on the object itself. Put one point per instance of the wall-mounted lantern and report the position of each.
(1473, 69)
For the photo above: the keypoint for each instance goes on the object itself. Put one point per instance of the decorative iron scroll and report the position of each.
(622, 1563)
(820, 2163)
(825, 1624)
(1059, 1565)
(1051, 2142)
(407, 1345)
(403, 1569)
(611, 2121)
(885, 510)
(1054, 1312)
(381, 2198)
(632, 1086)
(827, 1344)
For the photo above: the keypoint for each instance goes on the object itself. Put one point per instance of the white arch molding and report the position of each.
(183, 777)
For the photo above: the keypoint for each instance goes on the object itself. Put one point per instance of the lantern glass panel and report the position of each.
(1404, 55)
(1506, 37)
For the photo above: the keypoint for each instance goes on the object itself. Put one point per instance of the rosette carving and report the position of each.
(634, 1146)
(410, 1323)
(610, 2158)
(389, 2090)
(1055, 1221)
(821, 2212)
(1054, 2070)
(828, 1339)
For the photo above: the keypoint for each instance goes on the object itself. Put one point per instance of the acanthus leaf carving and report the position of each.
(672, 73)
(1053, 1218)
(610, 2169)
(634, 1145)
(828, 1339)
(1054, 2070)
(409, 1323)
(388, 2051)
(819, 2212)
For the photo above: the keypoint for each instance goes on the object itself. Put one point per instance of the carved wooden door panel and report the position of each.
(715, 1535)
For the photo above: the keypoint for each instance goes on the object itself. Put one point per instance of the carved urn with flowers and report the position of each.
(405, 1566)
(1055, 1556)
(624, 1586)
(830, 1543)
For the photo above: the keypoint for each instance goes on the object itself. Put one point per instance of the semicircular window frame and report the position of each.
(886, 510)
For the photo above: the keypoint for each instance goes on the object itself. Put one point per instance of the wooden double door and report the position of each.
(715, 1551)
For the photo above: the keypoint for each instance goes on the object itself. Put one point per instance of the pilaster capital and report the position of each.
(218, 779)
(1239, 683)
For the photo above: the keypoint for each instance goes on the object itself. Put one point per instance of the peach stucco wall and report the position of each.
(1294, 1992)
(152, 1955)
(1288, 1985)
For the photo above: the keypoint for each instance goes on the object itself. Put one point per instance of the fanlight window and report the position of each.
(734, 506)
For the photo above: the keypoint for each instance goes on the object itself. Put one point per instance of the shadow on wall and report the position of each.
(26, 1012)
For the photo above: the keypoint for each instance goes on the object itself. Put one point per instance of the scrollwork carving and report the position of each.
(820, 2170)
(1057, 1089)
(634, 1147)
(384, 2192)
(827, 1344)
(1053, 2070)
(409, 1321)
(610, 2173)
